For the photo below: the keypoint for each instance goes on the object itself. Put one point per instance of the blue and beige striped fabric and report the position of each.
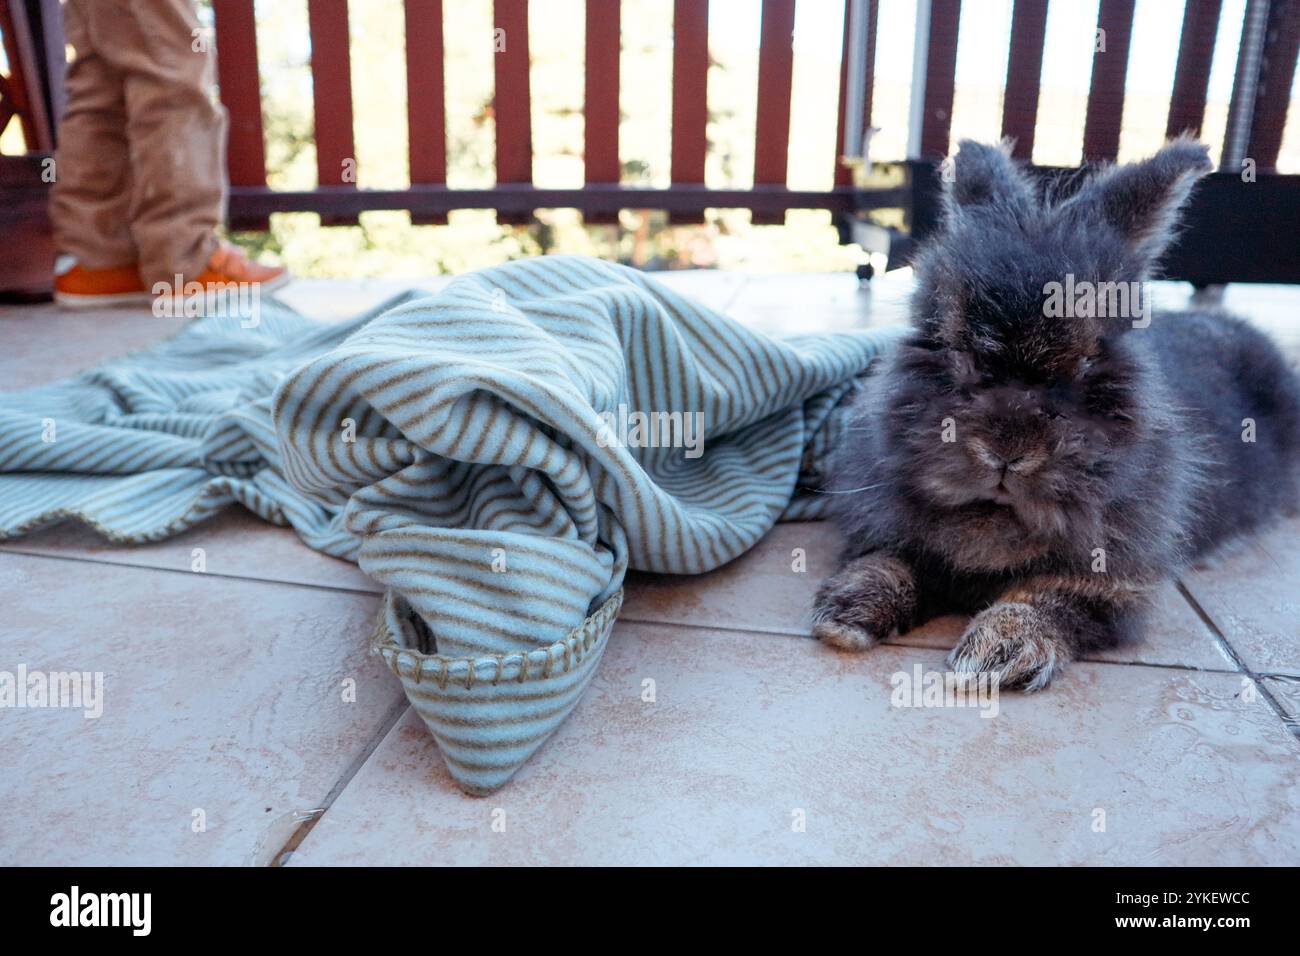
(471, 451)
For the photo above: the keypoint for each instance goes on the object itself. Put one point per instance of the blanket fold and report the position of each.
(497, 456)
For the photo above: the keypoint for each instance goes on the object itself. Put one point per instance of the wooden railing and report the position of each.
(515, 196)
(1265, 66)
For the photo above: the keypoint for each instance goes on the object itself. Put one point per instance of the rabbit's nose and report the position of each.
(1026, 464)
(986, 456)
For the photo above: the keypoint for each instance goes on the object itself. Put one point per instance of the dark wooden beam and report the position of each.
(522, 199)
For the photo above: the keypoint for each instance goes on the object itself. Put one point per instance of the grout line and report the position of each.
(756, 629)
(395, 713)
(1158, 665)
(1288, 721)
(730, 628)
(82, 559)
(777, 632)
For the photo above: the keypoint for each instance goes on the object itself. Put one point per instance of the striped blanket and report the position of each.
(497, 456)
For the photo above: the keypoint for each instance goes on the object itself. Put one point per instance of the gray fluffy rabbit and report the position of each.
(1033, 458)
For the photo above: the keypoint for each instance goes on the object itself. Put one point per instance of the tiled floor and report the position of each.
(243, 723)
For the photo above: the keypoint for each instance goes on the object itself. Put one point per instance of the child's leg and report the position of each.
(176, 130)
(91, 193)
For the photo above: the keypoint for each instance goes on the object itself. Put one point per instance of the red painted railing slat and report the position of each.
(241, 94)
(1024, 70)
(690, 94)
(426, 101)
(940, 76)
(331, 77)
(1101, 125)
(775, 81)
(1192, 74)
(601, 102)
(511, 103)
(685, 201)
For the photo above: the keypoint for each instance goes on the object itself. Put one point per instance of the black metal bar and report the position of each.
(1241, 108)
(1233, 231)
(1236, 231)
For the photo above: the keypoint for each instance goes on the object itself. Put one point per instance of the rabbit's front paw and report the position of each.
(866, 601)
(1018, 645)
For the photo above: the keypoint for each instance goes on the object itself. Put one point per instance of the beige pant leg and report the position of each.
(175, 128)
(91, 196)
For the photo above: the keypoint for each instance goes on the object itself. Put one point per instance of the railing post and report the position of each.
(933, 72)
(775, 81)
(331, 75)
(1192, 74)
(241, 95)
(512, 100)
(1024, 76)
(690, 96)
(601, 99)
(426, 101)
(1105, 115)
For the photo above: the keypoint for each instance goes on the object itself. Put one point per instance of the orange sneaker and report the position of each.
(77, 287)
(229, 265)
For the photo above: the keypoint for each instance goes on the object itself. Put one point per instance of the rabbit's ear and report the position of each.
(984, 175)
(1141, 201)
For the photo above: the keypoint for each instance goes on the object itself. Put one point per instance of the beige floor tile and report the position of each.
(817, 302)
(333, 300)
(44, 343)
(762, 591)
(759, 592)
(711, 287)
(235, 543)
(225, 695)
(1272, 307)
(1176, 635)
(1253, 596)
(804, 289)
(220, 696)
(749, 735)
(825, 302)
